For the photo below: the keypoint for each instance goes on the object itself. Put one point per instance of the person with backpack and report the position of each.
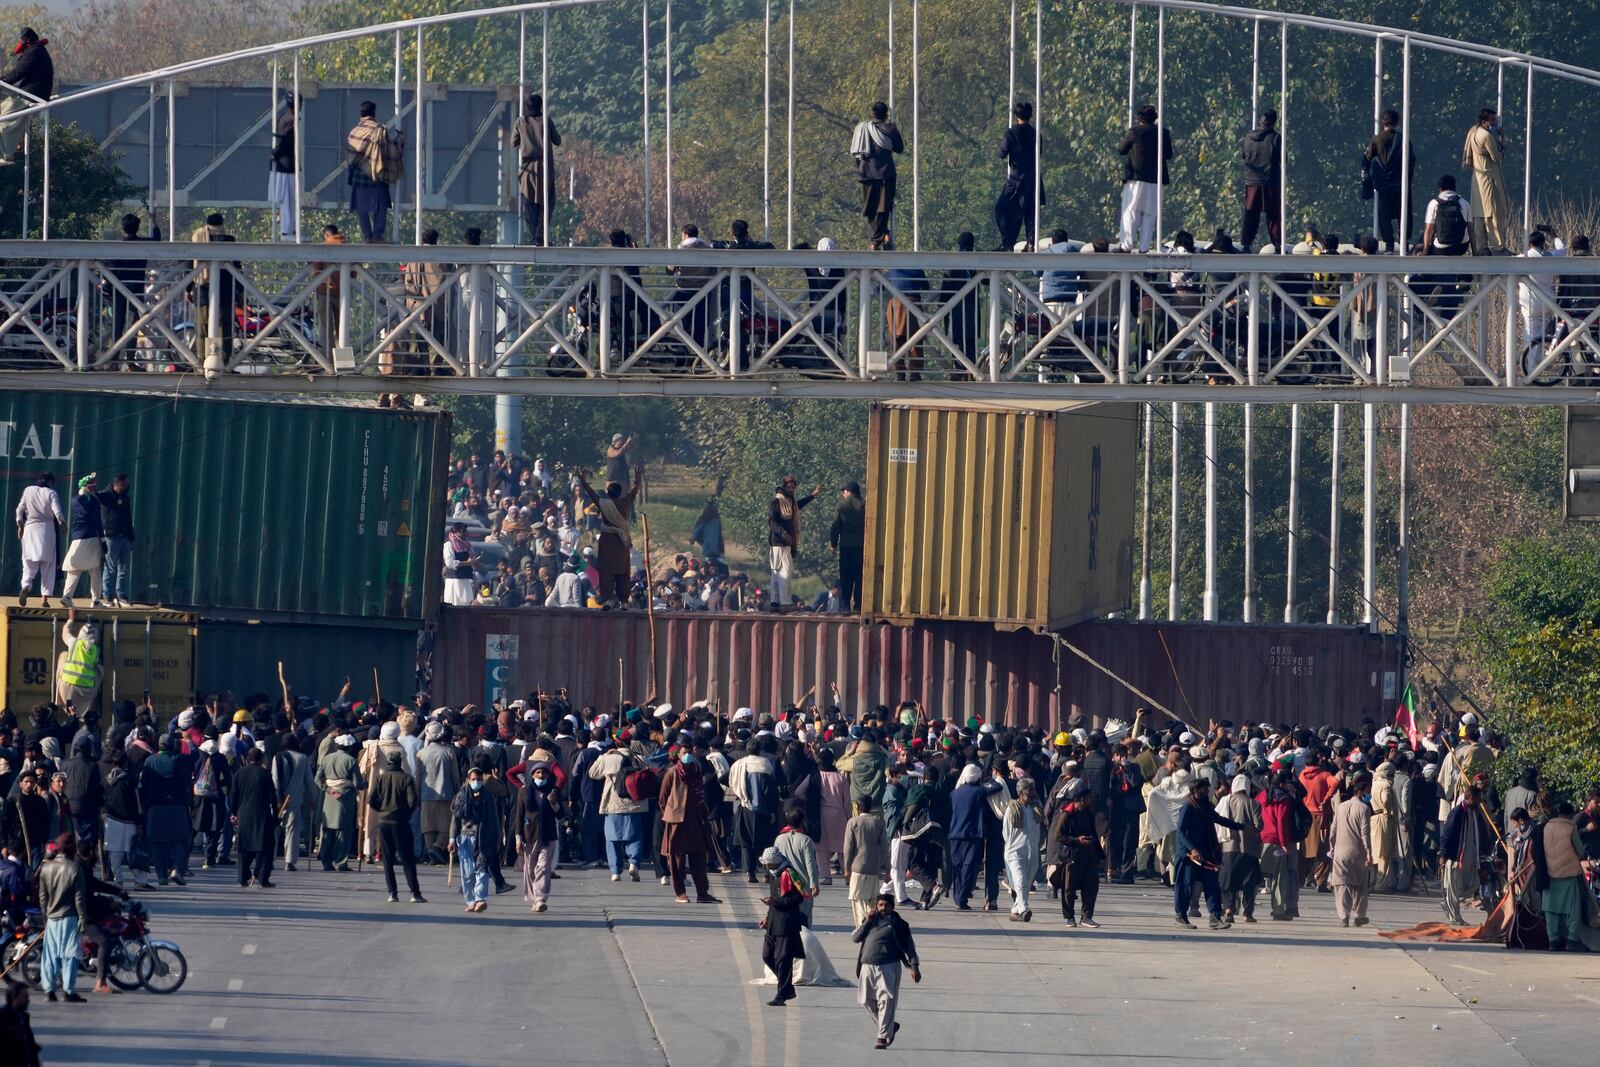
(1263, 181)
(1384, 174)
(211, 786)
(1447, 225)
(374, 164)
(627, 816)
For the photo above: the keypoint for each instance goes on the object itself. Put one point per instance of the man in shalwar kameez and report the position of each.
(39, 523)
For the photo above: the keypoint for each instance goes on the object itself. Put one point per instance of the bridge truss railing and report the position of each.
(700, 320)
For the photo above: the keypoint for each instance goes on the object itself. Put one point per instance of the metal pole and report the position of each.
(1405, 148)
(1144, 537)
(516, 116)
(150, 162)
(1255, 73)
(1011, 65)
(916, 118)
(766, 123)
(1377, 108)
(549, 180)
(1209, 604)
(1133, 52)
(667, 34)
(1038, 113)
(421, 134)
(788, 212)
(1334, 448)
(27, 165)
(1249, 612)
(1283, 140)
(299, 153)
(1403, 619)
(275, 220)
(1289, 610)
(1161, 119)
(172, 159)
(399, 44)
(1369, 539)
(1176, 504)
(1527, 160)
(891, 57)
(44, 200)
(644, 81)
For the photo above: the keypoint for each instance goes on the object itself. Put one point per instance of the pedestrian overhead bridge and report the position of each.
(768, 322)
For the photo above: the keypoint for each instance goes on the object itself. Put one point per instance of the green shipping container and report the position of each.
(248, 505)
(243, 657)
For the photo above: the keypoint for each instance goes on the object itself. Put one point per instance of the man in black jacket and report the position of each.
(1146, 149)
(31, 71)
(394, 798)
(1263, 181)
(886, 947)
(847, 537)
(1014, 208)
(874, 145)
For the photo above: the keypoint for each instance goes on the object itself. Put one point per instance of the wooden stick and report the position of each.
(619, 682)
(377, 689)
(27, 950)
(288, 709)
(650, 609)
(450, 871)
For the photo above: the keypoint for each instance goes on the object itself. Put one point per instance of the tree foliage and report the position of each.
(86, 187)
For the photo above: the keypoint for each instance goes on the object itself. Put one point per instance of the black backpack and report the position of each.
(1449, 224)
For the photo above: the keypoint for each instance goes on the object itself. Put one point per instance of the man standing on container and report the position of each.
(84, 551)
(116, 517)
(783, 536)
(39, 521)
(616, 536)
(847, 537)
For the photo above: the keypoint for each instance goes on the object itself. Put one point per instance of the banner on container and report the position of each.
(499, 665)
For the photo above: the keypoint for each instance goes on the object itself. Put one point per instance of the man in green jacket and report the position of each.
(847, 538)
(868, 769)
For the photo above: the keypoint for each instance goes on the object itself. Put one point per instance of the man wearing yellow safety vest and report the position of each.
(78, 668)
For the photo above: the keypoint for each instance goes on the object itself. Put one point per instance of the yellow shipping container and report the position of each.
(1015, 514)
(140, 649)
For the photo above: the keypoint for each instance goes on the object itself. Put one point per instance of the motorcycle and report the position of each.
(134, 960)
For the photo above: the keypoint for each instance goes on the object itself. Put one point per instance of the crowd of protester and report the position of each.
(539, 534)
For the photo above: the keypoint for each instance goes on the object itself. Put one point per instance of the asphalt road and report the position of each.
(320, 971)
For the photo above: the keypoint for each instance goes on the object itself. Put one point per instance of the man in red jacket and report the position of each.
(1321, 785)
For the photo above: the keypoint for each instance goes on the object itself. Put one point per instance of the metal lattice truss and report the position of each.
(705, 322)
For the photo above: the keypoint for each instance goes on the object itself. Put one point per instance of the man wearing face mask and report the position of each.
(538, 833)
(686, 826)
(468, 817)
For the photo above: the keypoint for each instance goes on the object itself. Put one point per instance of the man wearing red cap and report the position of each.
(65, 902)
(31, 71)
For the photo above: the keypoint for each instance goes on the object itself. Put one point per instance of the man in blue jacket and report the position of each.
(1200, 855)
(969, 802)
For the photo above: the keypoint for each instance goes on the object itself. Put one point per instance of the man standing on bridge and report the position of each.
(32, 71)
(535, 163)
(39, 521)
(1482, 153)
(874, 144)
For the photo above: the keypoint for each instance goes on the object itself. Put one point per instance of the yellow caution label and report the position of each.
(403, 530)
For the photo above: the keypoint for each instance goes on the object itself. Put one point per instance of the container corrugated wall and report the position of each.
(295, 507)
(243, 657)
(1004, 514)
(1305, 674)
(140, 650)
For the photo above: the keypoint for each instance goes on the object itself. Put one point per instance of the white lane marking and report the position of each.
(250, 950)
(219, 1022)
(252, 917)
(1464, 967)
(235, 984)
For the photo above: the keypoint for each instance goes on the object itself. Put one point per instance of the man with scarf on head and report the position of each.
(438, 781)
(340, 781)
(686, 826)
(782, 944)
(1240, 875)
(85, 549)
(537, 816)
(393, 799)
(615, 508)
(783, 536)
(32, 71)
(874, 144)
(969, 803)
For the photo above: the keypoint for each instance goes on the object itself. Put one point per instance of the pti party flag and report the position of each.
(1405, 716)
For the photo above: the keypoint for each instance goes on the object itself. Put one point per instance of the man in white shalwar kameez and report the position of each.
(39, 523)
